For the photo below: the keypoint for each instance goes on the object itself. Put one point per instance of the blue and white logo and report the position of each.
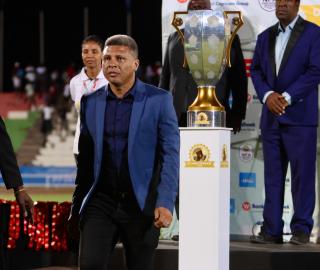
(247, 179)
(232, 206)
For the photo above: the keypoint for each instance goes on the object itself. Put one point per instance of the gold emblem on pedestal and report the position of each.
(224, 162)
(199, 156)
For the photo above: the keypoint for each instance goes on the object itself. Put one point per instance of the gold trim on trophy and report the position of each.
(176, 22)
(206, 100)
(238, 22)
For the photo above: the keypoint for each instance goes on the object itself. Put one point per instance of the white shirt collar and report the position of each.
(289, 27)
(84, 76)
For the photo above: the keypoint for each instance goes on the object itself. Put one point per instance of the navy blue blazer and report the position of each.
(299, 74)
(153, 145)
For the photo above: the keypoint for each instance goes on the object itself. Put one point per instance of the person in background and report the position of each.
(286, 73)
(89, 79)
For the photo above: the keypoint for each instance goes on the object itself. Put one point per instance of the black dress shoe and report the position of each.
(264, 238)
(300, 238)
(175, 237)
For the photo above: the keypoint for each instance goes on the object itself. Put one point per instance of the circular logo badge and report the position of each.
(199, 153)
(246, 152)
(268, 5)
(246, 206)
(182, 1)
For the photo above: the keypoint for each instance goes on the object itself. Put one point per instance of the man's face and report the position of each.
(199, 5)
(119, 65)
(91, 54)
(286, 10)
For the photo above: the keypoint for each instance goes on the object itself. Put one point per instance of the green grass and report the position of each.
(64, 197)
(18, 129)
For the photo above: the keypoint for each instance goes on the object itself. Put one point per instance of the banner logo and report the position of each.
(199, 156)
(246, 206)
(232, 206)
(247, 179)
(246, 152)
(202, 119)
(224, 162)
(268, 5)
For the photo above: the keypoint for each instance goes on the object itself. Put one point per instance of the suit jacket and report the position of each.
(153, 146)
(299, 74)
(8, 162)
(184, 89)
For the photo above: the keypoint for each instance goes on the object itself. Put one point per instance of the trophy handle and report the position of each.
(238, 22)
(176, 23)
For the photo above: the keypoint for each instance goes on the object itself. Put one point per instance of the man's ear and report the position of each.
(136, 63)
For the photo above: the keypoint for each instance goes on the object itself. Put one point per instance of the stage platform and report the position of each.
(243, 256)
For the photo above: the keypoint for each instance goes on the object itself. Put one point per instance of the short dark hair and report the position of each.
(95, 39)
(123, 40)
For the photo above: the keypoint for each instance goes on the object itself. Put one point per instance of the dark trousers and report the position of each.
(107, 219)
(297, 146)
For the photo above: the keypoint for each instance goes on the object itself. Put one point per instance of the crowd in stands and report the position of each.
(52, 87)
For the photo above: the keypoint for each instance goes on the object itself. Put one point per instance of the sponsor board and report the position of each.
(47, 176)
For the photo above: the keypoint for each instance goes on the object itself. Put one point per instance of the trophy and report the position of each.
(207, 43)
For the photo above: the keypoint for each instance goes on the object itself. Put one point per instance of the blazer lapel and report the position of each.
(272, 43)
(296, 32)
(99, 118)
(137, 110)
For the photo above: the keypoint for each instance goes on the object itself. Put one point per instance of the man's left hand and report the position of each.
(162, 217)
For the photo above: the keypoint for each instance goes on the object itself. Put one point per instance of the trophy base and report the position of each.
(206, 118)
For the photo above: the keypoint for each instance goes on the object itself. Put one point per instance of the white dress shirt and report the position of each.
(81, 85)
(281, 44)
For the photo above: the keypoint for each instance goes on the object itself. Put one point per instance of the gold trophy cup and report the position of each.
(207, 40)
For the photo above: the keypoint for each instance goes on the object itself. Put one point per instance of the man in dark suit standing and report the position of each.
(128, 167)
(286, 74)
(11, 174)
(178, 79)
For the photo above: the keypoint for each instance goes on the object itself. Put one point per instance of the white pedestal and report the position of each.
(204, 199)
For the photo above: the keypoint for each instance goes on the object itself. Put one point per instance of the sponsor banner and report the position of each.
(47, 176)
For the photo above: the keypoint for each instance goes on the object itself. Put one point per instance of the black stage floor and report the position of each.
(243, 256)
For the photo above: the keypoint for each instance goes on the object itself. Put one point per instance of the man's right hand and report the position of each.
(276, 103)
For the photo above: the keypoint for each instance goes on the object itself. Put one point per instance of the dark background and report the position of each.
(64, 30)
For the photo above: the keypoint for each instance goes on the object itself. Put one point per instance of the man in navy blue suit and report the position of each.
(128, 171)
(286, 74)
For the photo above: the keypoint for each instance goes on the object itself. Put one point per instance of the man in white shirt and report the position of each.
(89, 79)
